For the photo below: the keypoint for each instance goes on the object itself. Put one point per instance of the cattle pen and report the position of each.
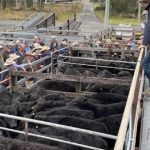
(126, 137)
(90, 98)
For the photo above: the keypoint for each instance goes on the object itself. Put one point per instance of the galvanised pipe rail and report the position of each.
(51, 138)
(113, 137)
(125, 119)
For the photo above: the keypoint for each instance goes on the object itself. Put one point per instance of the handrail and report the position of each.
(50, 124)
(51, 138)
(75, 129)
(125, 119)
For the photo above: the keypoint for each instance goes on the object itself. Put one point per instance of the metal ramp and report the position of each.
(146, 122)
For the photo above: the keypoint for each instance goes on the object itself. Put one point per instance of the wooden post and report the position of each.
(54, 19)
(52, 63)
(26, 131)
(68, 25)
(78, 87)
(75, 17)
(12, 82)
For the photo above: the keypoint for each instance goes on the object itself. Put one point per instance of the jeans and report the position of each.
(146, 65)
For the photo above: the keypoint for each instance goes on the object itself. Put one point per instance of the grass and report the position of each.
(115, 20)
(63, 12)
(9, 14)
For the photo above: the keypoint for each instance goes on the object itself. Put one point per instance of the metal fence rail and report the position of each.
(132, 97)
(27, 120)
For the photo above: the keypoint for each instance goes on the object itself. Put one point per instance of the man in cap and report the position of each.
(146, 41)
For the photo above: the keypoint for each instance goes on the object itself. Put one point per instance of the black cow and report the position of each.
(100, 110)
(69, 111)
(75, 121)
(122, 90)
(107, 98)
(43, 105)
(76, 137)
(112, 122)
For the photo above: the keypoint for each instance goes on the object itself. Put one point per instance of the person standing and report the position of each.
(146, 42)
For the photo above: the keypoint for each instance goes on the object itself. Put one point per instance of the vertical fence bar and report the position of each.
(26, 131)
(12, 82)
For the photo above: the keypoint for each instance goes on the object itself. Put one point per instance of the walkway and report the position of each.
(90, 23)
(146, 123)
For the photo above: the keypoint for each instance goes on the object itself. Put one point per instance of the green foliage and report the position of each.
(29, 3)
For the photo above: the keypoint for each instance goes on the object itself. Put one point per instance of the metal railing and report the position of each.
(135, 92)
(39, 122)
(34, 63)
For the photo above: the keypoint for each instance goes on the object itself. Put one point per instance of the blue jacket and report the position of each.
(146, 39)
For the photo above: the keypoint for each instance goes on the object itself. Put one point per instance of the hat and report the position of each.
(143, 1)
(13, 56)
(30, 53)
(53, 37)
(144, 12)
(37, 46)
(44, 48)
(35, 37)
(129, 44)
(18, 42)
(1, 46)
(11, 43)
(97, 43)
(64, 43)
(108, 41)
(8, 62)
(1, 42)
(75, 43)
(142, 36)
(116, 43)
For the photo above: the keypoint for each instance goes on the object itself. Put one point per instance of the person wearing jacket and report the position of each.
(146, 42)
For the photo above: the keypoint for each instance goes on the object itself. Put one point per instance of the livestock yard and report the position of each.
(74, 88)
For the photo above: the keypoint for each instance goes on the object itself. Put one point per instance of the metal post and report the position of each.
(52, 63)
(26, 131)
(68, 24)
(139, 12)
(78, 87)
(106, 20)
(12, 82)
(54, 19)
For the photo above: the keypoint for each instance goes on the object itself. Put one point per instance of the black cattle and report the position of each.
(25, 108)
(75, 122)
(69, 111)
(105, 74)
(5, 98)
(36, 92)
(3, 124)
(18, 97)
(19, 145)
(11, 110)
(57, 86)
(100, 110)
(76, 137)
(2, 147)
(62, 145)
(43, 105)
(122, 90)
(88, 74)
(107, 98)
(112, 122)
(72, 71)
(55, 97)
(126, 74)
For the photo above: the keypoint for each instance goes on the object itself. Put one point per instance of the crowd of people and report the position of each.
(20, 55)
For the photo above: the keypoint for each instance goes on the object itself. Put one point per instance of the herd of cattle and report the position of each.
(101, 112)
